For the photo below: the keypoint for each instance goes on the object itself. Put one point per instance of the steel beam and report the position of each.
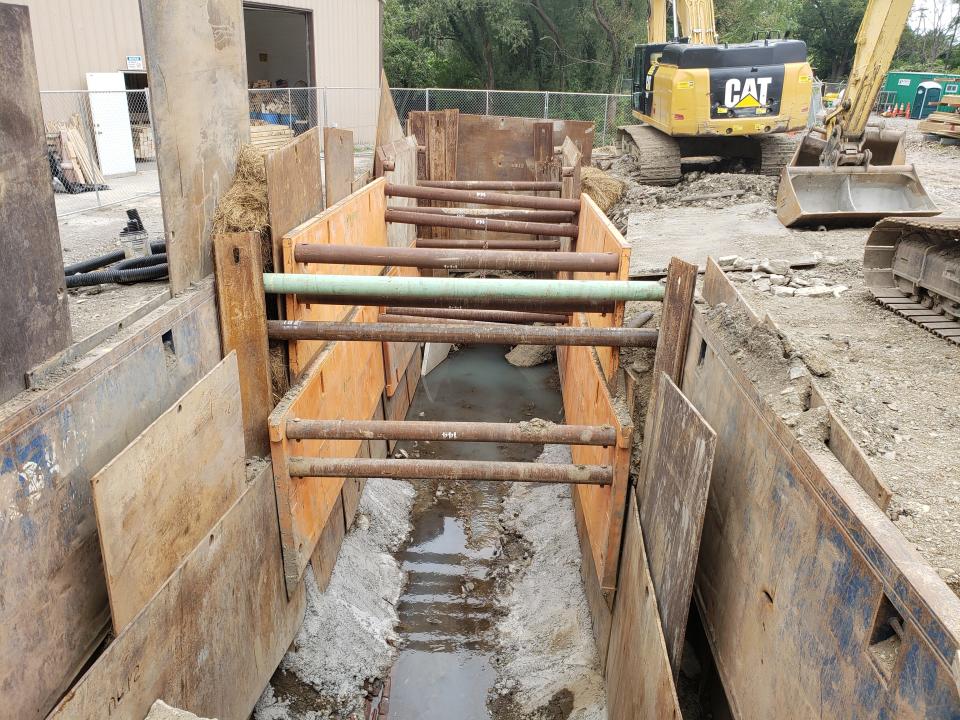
(479, 470)
(474, 334)
(524, 432)
(503, 185)
(501, 316)
(517, 227)
(518, 260)
(487, 244)
(482, 197)
(547, 216)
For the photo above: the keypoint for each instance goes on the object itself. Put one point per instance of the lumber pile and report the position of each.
(143, 145)
(944, 123)
(76, 159)
(268, 137)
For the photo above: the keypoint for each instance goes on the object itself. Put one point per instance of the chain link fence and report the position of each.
(100, 144)
(100, 148)
(607, 112)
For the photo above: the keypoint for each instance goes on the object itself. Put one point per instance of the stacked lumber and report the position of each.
(76, 159)
(945, 123)
(270, 137)
(143, 146)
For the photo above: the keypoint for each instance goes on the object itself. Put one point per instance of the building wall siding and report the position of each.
(75, 37)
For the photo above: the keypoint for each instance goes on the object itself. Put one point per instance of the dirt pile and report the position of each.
(697, 188)
(547, 664)
(348, 639)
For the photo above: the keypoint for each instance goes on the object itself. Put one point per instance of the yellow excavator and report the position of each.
(698, 97)
(845, 171)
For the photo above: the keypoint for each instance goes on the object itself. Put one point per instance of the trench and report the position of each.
(449, 608)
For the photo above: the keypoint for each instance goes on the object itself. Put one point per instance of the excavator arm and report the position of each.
(696, 19)
(877, 41)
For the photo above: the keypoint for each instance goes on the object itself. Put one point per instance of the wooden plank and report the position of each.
(198, 100)
(600, 614)
(243, 329)
(587, 401)
(639, 679)
(403, 155)
(346, 380)
(33, 299)
(356, 220)
(294, 188)
(598, 234)
(389, 129)
(337, 164)
(794, 563)
(324, 556)
(672, 497)
(50, 447)
(675, 319)
(153, 505)
(211, 637)
(571, 157)
(498, 148)
(397, 355)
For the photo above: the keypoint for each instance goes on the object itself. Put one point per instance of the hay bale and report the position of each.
(243, 208)
(605, 190)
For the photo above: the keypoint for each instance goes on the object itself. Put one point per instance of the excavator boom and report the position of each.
(845, 172)
(696, 18)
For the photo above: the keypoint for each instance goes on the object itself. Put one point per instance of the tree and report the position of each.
(830, 29)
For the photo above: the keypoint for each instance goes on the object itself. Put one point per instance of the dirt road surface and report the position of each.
(895, 386)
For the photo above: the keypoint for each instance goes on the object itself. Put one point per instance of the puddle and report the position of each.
(448, 610)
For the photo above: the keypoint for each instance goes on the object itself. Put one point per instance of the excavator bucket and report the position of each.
(851, 195)
(912, 267)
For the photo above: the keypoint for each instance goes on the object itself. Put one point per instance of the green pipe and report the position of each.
(428, 288)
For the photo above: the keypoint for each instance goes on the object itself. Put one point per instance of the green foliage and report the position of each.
(584, 45)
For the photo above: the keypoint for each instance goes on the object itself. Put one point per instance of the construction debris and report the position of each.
(243, 208)
(944, 124)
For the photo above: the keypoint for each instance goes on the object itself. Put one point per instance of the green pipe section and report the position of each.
(425, 288)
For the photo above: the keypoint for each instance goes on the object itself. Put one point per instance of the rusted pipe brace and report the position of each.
(482, 197)
(457, 259)
(485, 333)
(524, 432)
(504, 185)
(547, 216)
(518, 227)
(487, 244)
(502, 316)
(479, 470)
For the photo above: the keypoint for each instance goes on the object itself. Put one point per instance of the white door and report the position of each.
(111, 123)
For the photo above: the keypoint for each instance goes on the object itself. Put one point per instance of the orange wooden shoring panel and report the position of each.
(397, 355)
(345, 382)
(586, 400)
(598, 235)
(355, 220)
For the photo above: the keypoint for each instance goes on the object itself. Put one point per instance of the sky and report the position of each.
(945, 7)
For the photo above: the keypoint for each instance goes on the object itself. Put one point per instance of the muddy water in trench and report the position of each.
(448, 612)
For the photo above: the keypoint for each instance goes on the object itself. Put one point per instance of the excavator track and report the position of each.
(912, 267)
(657, 154)
(776, 152)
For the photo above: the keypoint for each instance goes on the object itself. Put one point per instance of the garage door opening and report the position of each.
(279, 47)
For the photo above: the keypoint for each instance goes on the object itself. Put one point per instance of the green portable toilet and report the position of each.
(926, 100)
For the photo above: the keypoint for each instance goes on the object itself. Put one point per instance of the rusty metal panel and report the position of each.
(801, 573)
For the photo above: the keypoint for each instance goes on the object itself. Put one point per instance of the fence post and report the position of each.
(93, 136)
(546, 105)
(488, 103)
(289, 108)
(326, 118)
(606, 111)
(427, 106)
